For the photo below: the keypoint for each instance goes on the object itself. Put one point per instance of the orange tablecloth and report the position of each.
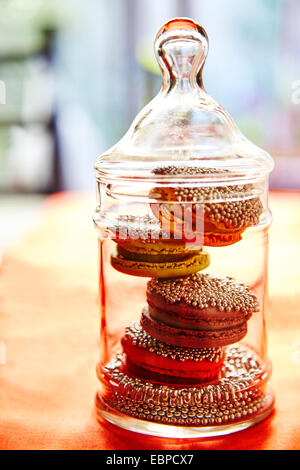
(49, 326)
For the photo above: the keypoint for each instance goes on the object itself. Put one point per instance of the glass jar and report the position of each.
(182, 220)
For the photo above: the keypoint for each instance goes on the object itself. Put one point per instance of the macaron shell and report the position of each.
(206, 321)
(163, 378)
(204, 297)
(192, 338)
(218, 239)
(182, 315)
(158, 246)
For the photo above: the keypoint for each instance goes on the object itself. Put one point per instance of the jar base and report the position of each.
(239, 399)
(121, 420)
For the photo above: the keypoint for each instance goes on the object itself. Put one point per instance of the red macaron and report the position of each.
(155, 360)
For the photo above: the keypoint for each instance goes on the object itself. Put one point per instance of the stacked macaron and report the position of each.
(185, 326)
(164, 362)
(190, 316)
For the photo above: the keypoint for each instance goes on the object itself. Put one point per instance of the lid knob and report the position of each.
(181, 47)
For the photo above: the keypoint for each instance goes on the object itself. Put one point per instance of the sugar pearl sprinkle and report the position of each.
(235, 205)
(186, 170)
(237, 395)
(205, 290)
(142, 339)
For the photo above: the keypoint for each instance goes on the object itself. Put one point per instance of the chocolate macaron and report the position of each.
(198, 311)
(154, 360)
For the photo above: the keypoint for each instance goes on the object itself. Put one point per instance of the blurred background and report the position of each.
(74, 73)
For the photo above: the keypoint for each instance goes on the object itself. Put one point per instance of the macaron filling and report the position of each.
(157, 257)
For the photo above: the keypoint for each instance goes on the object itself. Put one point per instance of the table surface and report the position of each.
(49, 330)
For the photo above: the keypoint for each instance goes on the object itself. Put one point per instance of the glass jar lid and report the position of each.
(183, 126)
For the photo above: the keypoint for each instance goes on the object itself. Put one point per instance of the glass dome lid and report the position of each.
(183, 126)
